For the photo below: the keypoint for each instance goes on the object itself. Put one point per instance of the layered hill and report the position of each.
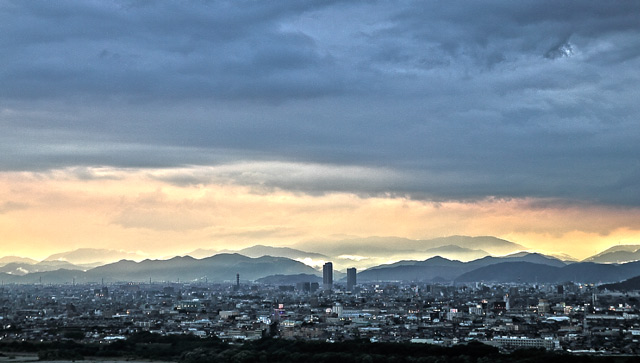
(261, 250)
(528, 268)
(454, 258)
(218, 268)
(617, 254)
(535, 272)
(626, 285)
(17, 268)
(385, 246)
(93, 256)
(440, 268)
(16, 259)
(455, 252)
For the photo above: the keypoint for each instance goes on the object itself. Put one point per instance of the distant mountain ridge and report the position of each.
(490, 244)
(520, 257)
(358, 252)
(16, 268)
(261, 250)
(535, 272)
(259, 262)
(16, 259)
(519, 267)
(384, 246)
(528, 268)
(617, 254)
(218, 268)
(458, 253)
(442, 268)
(92, 256)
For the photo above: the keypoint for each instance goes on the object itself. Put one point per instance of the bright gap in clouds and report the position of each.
(148, 210)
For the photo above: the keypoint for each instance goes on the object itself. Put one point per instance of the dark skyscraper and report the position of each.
(351, 278)
(327, 276)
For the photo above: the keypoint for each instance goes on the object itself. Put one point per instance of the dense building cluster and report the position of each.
(570, 316)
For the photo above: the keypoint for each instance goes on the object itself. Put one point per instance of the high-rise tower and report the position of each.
(351, 278)
(327, 276)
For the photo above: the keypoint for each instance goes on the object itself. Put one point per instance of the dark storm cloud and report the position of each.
(154, 50)
(457, 100)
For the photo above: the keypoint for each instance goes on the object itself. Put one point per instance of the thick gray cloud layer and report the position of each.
(454, 100)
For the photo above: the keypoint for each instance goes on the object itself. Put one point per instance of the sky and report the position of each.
(163, 127)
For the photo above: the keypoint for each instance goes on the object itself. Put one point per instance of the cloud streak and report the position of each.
(135, 208)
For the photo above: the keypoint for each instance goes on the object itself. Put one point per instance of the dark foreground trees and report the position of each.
(190, 349)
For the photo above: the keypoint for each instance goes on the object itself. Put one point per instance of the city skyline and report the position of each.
(162, 128)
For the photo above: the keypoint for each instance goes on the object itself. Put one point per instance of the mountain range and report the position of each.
(529, 268)
(454, 259)
(16, 268)
(261, 250)
(520, 267)
(15, 259)
(385, 246)
(458, 253)
(442, 269)
(617, 254)
(626, 285)
(218, 268)
(92, 256)
(364, 253)
(588, 272)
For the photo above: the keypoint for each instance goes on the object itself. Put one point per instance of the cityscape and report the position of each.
(569, 317)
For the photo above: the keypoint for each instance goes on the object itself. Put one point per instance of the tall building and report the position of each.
(327, 276)
(351, 278)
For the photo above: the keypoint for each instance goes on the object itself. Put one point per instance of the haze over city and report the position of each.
(163, 128)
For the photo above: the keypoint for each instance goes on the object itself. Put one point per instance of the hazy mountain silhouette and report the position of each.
(261, 250)
(432, 261)
(523, 267)
(16, 259)
(16, 268)
(616, 248)
(386, 246)
(490, 244)
(60, 276)
(446, 269)
(218, 268)
(292, 253)
(92, 255)
(520, 257)
(24, 268)
(221, 267)
(52, 265)
(564, 257)
(511, 272)
(416, 270)
(617, 254)
(204, 253)
(535, 272)
(455, 252)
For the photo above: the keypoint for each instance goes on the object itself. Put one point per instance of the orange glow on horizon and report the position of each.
(133, 210)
